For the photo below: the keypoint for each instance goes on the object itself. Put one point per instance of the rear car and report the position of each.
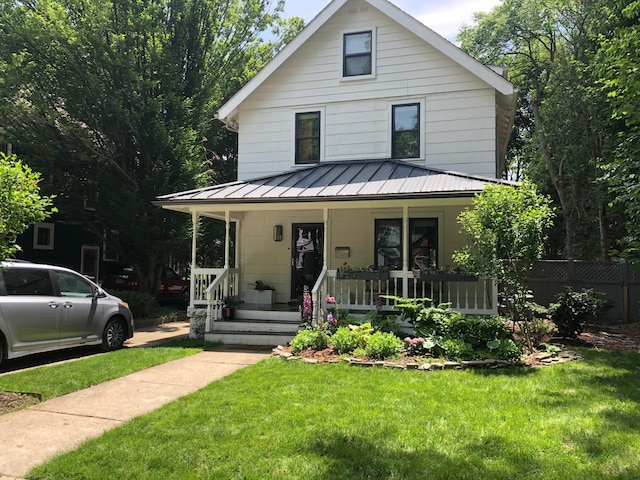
(172, 287)
(45, 307)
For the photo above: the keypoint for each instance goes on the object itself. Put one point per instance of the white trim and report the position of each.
(45, 226)
(374, 42)
(423, 125)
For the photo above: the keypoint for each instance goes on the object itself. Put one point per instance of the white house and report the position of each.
(359, 143)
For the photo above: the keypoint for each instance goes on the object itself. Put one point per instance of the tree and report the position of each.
(617, 63)
(548, 48)
(113, 99)
(21, 204)
(505, 233)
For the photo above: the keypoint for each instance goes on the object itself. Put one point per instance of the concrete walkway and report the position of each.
(31, 436)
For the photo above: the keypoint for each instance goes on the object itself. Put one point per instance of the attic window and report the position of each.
(357, 54)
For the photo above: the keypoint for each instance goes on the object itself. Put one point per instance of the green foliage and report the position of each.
(114, 102)
(505, 234)
(477, 331)
(505, 349)
(141, 304)
(361, 334)
(21, 204)
(574, 308)
(457, 349)
(344, 340)
(382, 345)
(314, 339)
(383, 323)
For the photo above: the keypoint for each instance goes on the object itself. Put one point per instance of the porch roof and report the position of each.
(344, 180)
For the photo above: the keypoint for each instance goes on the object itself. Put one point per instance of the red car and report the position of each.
(172, 286)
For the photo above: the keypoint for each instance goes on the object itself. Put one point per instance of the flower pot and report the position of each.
(228, 313)
(363, 275)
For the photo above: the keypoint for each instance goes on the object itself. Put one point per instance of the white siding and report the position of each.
(459, 115)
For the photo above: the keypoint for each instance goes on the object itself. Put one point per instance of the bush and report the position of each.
(477, 331)
(314, 339)
(361, 333)
(383, 345)
(344, 340)
(458, 349)
(141, 304)
(505, 349)
(573, 308)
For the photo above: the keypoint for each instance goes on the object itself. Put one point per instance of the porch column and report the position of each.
(405, 250)
(327, 236)
(194, 235)
(227, 247)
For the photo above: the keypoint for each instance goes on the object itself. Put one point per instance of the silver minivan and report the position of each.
(44, 307)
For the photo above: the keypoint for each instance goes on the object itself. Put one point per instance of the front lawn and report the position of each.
(291, 420)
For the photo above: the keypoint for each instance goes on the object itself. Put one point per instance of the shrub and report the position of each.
(383, 345)
(361, 333)
(314, 339)
(458, 349)
(141, 304)
(344, 340)
(505, 349)
(573, 308)
(477, 331)
(383, 323)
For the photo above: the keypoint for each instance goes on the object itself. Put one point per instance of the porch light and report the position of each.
(277, 233)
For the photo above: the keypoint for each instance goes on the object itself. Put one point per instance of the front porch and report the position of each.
(273, 324)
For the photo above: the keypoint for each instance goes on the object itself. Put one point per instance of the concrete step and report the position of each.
(249, 338)
(270, 315)
(259, 326)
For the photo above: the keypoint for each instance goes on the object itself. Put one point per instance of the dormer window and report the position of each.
(307, 137)
(357, 54)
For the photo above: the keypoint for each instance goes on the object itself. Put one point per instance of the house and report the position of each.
(358, 145)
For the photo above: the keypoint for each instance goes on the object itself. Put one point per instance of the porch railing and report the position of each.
(210, 287)
(471, 297)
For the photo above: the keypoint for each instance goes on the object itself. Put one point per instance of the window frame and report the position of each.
(297, 137)
(413, 221)
(43, 226)
(371, 54)
(419, 131)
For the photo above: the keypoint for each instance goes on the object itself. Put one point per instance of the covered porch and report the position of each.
(305, 228)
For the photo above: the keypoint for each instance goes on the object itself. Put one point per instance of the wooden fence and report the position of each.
(616, 280)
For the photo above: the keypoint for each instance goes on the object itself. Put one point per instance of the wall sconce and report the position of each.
(277, 233)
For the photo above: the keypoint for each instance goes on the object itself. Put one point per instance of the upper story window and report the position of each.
(43, 236)
(405, 137)
(307, 137)
(357, 54)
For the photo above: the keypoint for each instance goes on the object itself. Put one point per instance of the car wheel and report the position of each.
(114, 335)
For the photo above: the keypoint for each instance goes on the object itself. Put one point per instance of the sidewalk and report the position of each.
(32, 436)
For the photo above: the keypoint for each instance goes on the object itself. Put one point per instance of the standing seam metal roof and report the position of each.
(349, 180)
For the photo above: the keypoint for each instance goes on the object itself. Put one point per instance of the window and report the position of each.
(23, 281)
(43, 236)
(405, 137)
(307, 137)
(388, 244)
(357, 54)
(73, 286)
(423, 247)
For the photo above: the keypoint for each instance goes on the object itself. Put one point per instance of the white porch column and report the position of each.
(227, 246)
(405, 249)
(194, 235)
(327, 236)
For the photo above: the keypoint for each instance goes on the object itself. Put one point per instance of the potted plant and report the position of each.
(230, 302)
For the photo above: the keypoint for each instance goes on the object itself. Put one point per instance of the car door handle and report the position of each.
(67, 304)
(53, 305)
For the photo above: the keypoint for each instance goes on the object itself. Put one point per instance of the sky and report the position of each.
(443, 16)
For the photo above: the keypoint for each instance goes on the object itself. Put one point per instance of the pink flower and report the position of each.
(331, 319)
(330, 299)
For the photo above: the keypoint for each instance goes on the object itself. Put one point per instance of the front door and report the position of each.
(307, 259)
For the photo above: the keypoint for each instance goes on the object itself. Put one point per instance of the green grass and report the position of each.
(290, 420)
(62, 378)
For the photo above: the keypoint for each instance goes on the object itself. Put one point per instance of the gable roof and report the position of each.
(489, 76)
(354, 180)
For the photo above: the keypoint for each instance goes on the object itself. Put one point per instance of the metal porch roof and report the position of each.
(345, 180)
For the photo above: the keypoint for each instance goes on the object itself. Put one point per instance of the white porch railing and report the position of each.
(210, 287)
(476, 297)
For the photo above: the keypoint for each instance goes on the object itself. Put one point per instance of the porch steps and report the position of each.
(256, 327)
